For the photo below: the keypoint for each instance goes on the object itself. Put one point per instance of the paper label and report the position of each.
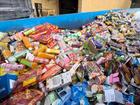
(112, 95)
(11, 83)
(11, 48)
(44, 70)
(30, 57)
(54, 82)
(66, 77)
(48, 50)
(109, 95)
(74, 68)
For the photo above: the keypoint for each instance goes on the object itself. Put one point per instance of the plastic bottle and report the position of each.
(62, 44)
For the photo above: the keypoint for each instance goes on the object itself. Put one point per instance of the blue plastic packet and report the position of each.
(78, 92)
(135, 61)
(128, 98)
(64, 93)
(84, 101)
(119, 53)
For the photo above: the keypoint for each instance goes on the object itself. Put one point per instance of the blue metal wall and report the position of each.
(69, 21)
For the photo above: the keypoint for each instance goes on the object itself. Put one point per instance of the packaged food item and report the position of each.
(113, 78)
(29, 96)
(137, 76)
(93, 69)
(20, 54)
(12, 59)
(12, 66)
(112, 95)
(3, 45)
(129, 99)
(74, 68)
(50, 71)
(16, 46)
(63, 60)
(2, 71)
(59, 80)
(28, 63)
(18, 36)
(42, 48)
(64, 93)
(6, 53)
(52, 98)
(32, 58)
(25, 80)
(2, 35)
(52, 51)
(27, 42)
(45, 55)
(43, 88)
(96, 88)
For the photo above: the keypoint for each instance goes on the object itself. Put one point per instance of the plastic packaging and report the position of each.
(27, 63)
(45, 55)
(27, 42)
(12, 66)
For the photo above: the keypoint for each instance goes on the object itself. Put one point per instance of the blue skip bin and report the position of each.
(69, 21)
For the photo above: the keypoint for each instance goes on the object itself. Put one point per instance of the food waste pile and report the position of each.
(97, 65)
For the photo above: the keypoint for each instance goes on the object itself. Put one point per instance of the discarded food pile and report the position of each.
(96, 65)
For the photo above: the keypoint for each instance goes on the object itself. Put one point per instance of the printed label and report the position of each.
(11, 83)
